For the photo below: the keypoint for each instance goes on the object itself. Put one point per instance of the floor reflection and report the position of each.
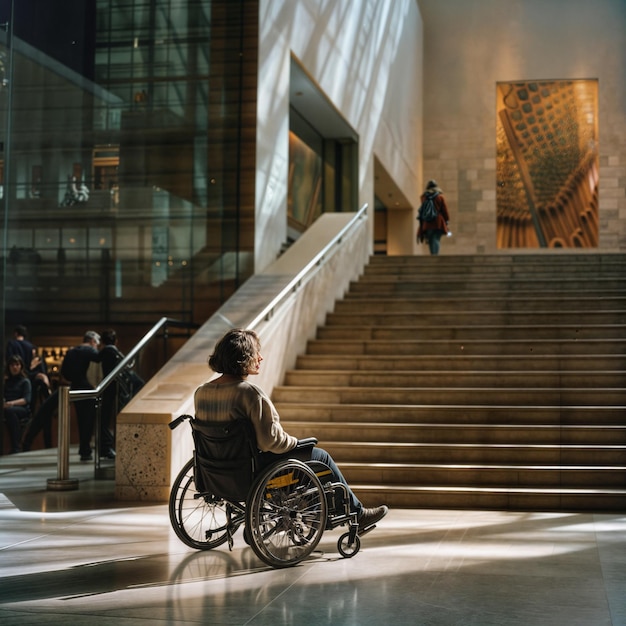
(124, 565)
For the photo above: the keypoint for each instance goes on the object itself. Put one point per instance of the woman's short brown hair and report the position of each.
(15, 358)
(235, 352)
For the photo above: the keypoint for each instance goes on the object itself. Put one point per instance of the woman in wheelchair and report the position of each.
(237, 355)
(295, 490)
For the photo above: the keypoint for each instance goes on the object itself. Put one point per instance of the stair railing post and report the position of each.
(63, 482)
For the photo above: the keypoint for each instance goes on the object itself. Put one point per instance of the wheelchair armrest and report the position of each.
(178, 421)
(307, 442)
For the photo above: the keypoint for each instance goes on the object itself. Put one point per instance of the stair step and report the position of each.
(447, 379)
(486, 285)
(473, 363)
(454, 396)
(418, 318)
(501, 272)
(445, 413)
(464, 346)
(476, 332)
(541, 454)
(356, 303)
(518, 263)
(498, 272)
(488, 434)
(494, 498)
(549, 476)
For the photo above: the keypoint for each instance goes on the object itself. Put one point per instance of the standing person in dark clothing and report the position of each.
(21, 346)
(432, 230)
(74, 369)
(130, 381)
(111, 356)
(16, 404)
(119, 393)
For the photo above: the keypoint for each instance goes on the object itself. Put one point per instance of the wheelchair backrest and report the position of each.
(225, 457)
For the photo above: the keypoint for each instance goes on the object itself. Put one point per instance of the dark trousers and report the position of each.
(86, 416)
(42, 420)
(314, 454)
(108, 413)
(15, 418)
(434, 237)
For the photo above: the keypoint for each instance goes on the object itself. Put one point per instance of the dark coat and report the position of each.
(440, 223)
(76, 363)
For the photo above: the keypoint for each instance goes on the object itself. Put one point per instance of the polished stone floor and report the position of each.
(80, 557)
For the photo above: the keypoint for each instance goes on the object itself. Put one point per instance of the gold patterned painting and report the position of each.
(547, 164)
(304, 198)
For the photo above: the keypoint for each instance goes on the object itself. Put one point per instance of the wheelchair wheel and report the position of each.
(286, 513)
(201, 521)
(346, 548)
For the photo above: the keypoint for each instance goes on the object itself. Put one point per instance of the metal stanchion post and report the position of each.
(63, 482)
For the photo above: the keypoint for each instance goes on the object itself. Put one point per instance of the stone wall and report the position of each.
(468, 48)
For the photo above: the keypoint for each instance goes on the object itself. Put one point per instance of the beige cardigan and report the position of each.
(243, 400)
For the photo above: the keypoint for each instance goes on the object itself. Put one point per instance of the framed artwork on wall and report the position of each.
(547, 164)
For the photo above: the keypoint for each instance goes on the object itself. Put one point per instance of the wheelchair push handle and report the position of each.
(178, 421)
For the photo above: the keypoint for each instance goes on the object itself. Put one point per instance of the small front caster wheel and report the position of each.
(346, 549)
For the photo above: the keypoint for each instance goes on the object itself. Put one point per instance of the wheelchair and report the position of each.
(284, 506)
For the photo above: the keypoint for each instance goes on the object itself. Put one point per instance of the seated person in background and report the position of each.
(16, 405)
(34, 366)
(237, 355)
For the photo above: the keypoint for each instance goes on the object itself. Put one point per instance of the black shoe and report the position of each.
(108, 454)
(86, 457)
(369, 517)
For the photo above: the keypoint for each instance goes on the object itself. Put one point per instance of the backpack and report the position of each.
(428, 211)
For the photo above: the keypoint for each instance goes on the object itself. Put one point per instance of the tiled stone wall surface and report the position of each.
(464, 165)
(468, 48)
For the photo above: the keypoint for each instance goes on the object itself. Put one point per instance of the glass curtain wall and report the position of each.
(125, 197)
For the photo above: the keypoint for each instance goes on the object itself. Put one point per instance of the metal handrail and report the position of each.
(296, 282)
(82, 394)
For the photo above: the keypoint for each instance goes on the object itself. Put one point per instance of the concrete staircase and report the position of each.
(494, 382)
